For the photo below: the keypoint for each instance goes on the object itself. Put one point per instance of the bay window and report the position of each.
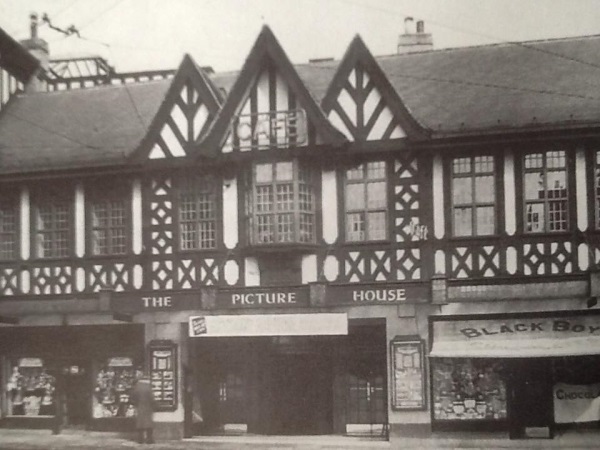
(281, 203)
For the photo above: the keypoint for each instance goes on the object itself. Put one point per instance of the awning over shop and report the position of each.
(269, 325)
(517, 338)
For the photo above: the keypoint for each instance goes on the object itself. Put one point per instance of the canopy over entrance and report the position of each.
(269, 325)
(517, 338)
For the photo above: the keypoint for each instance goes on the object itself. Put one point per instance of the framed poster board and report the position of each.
(163, 374)
(408, 374)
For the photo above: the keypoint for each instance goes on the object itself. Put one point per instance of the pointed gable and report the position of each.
(268, 107)
(187, 111)
(361, 102)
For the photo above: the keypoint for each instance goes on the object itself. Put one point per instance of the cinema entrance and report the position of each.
(290, 385)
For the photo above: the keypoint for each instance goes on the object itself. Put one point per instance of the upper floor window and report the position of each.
(366, 204)
(473, 196)
(545, 186)
(197, 213)
(8, 227)
(282, 203)
(52, 226)
(109, 221)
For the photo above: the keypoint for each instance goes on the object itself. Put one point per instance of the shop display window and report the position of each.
(468, 389)
(31, 389)
(112, 391)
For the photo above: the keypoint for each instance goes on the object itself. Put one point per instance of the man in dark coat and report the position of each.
(143, 401)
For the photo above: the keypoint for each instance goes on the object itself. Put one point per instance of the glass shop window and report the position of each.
(112, 392)
(31, 389)
(468, 389)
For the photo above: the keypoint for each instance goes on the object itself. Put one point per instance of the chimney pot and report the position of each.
(420, 26)
(33, 25)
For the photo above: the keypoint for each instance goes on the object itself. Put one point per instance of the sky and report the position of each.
(137, 35)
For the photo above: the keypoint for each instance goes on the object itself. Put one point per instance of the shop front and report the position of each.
(69, 376)
(530, 374)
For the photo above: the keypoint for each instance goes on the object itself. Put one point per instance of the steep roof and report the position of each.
(15, 58)
(77, 128)
(495, 87)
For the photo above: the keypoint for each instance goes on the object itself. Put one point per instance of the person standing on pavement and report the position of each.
(143, 400)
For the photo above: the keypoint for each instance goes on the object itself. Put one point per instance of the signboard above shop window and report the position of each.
(279, 129)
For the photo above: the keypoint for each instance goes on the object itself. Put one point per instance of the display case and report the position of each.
(468, 389)
(30, 389)
(112, 391)
(408, 374)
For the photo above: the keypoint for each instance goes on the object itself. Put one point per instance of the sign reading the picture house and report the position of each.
(263, 298)
(163, 374)
(374, 294)
(269, 129)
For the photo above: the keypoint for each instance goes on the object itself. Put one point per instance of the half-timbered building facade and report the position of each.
(383, 245)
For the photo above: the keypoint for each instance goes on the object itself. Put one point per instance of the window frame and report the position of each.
(345, 211)
(303, 175)
(10, 198)
(595, 182)
(96, 192)
(567, 169)
(184, 179)
(53, 197)
(474, 204)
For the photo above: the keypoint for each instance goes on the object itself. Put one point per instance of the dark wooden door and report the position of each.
(77, 387)
(530, 408)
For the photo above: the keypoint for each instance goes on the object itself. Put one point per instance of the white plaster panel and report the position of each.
(511, 260)
(329, 204)
(230, 213)
(171, 141)
(583, 254)
(281, 91)
(331, 268)
(348, 105)
(136, 216)
(80, 279)
(381, 124)
(79, 220)
(440, 262)
(309, 269)
(25, 227)
(337, 122)
(581, 190)
(438, 197)
(25, 281)
(251, 272)
(232, 272)
(200, 119)
(510, 209)
(138, 276)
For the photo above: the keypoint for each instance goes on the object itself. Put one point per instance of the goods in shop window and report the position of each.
(112, 391)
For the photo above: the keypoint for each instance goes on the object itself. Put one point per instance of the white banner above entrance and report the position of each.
(269, 325)
(517, 338)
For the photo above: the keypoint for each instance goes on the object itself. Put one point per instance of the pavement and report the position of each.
(12, 439)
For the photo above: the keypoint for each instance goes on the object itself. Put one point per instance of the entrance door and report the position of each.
(530, 408)
(77, 394)
(302, 397)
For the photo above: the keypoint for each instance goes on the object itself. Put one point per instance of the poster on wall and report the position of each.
(408, 376)
(576, 403)
(163, 374)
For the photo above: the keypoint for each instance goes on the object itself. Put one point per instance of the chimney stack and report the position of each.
(414, 41)
(39, 48)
